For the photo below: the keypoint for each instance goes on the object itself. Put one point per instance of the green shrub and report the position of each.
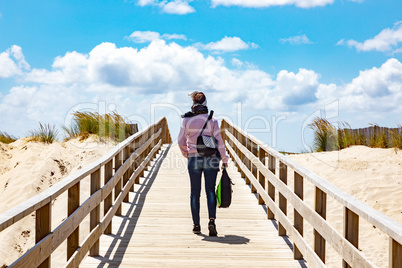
(45, 133)
(5, 138)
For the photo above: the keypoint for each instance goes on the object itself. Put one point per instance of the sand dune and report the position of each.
(372, 175)
(27, 169)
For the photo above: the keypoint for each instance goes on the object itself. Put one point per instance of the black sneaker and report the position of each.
(212, 228)
(197, 229)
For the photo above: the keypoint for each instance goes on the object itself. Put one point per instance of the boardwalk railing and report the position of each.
(258, 165)
(120, 169)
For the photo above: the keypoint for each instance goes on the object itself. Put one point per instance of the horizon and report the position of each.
(270, 66)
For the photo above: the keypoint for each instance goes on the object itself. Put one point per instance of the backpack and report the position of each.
(224, 191)
(206, 146)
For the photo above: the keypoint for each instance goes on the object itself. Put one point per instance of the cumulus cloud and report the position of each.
(164, 72)
(149, 36)
(12, 62)
(179, 7)
(227, 44)
(269, 3)
(296, 40)
(387, 40)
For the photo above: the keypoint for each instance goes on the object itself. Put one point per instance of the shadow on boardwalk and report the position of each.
(129, 222)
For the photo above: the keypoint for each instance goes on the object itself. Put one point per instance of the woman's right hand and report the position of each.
(224, 165)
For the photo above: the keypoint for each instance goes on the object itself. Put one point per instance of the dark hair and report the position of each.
(199, 98)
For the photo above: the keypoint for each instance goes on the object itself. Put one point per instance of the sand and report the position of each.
(27, 169)
(372, 175)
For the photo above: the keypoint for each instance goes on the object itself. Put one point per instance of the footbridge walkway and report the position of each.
(137, 213)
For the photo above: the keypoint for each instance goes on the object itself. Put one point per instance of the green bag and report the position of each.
(224, 191)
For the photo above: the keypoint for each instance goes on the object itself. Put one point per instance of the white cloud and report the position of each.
(296, 40)
(165, 72)
(179, 7)
(143, 36)
(387, 40)
(268, 3)
(174, 36)
(149, 36)
(227, 44)
(12, 62)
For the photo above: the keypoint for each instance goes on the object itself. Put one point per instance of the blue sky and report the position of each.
(279, 60)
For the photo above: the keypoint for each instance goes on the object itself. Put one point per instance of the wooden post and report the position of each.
(109, 199)
(254, 171)
(95, 213)
(321, 209)
(73, 203)
(137, 159)
(133, 167)
(283, 176)
(126, 174)
(118, 187)
(350, 230)
(271, 188)
(242, 156)
(395, 254)
(261, 177)
(43, 225)
(298, 219)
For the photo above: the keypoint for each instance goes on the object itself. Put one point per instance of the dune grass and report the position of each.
(396, 137)
(329, 138)
(46, 133)
(108, 126)
(325, 135)
(6, 138)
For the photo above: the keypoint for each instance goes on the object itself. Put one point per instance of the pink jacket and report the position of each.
(191, 129)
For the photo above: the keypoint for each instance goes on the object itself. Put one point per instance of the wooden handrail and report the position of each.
(267, 180)
(138, 150)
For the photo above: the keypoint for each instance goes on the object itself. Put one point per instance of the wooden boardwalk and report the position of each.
(155, 228)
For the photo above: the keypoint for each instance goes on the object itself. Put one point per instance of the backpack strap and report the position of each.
(206, 122)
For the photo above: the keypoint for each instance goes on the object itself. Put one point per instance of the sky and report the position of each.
(269, 66)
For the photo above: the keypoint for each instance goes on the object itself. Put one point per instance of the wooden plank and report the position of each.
(305, 249)
(298, 219)
(337, 241)
(73, 204)
(43, 225)
(350, 231)
(119, 184)
(283, 203)
(109, 199)
(95, 213)
(379, 220)
(320, 206)
(395, 249)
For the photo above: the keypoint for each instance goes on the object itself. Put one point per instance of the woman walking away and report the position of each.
(191, 128)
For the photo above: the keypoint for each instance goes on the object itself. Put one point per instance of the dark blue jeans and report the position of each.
(210, 167)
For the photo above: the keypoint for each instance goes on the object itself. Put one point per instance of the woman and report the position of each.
(191, 128)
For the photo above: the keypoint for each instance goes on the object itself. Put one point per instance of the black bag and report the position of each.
(206, 146)
(224, 191)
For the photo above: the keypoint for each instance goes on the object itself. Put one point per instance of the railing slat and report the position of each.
(73, 203)
(283, 176)
(109, 199)
(43, 224)
(95, 213)
(320, 206)
(298, 219)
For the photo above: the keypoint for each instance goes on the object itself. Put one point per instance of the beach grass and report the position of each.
(107, 126)
(325, 135)
(396, 137)
(45, 133)
(6, 138)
